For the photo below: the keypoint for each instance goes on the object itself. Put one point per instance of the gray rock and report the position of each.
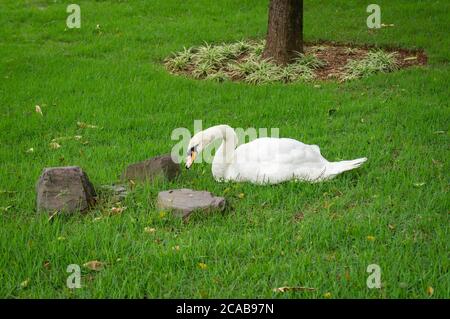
(184, 201)
(65, 189)
(159, 166)
(117, 192)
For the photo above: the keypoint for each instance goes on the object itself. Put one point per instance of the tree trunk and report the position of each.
(285, 31)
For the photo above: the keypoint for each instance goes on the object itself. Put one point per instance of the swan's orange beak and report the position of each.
(190, 159)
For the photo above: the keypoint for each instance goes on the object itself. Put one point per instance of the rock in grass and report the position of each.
(66, 189)
(184, 201)
(117, 192)
(148, 170)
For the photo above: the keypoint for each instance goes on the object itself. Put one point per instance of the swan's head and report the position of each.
(198, 143)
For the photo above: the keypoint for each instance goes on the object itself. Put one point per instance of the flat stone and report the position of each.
(117, 192)
(65, 189)
(184, 201)
(153, 168)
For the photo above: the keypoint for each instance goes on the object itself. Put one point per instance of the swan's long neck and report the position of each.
(225, 154)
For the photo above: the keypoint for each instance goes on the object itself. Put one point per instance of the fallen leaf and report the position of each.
(46, 264)
(299, 217)
(61, 238)
(176, 248)
(391, 227)
(285, 289)
(54, 145)
(94, 265)
(410, 58)
(5, 209)
(25, 283)
(30, 150)
(371, 238)
(149, 230)
(37, 108)
(327, 295)
(98, 218)
(419, 184)
(117, 210)
(241, 195)
(430, 291)
(162, 214)
(85, 125)
(202, 266)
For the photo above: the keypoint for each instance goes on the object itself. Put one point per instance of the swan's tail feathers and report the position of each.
(335, 168)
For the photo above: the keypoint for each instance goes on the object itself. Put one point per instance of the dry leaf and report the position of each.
(410, 58)
(327, 295)
(162, 214)
(85, 125)
(419, 184)
(285, 289)
(24, 284)
(54, 145)
(37, 108)
(430, 291)
(94, 265)
(176, 248)
(241, 195)
(391, 227)
(202, 266)
(47, 264)
(117, 210)
(371, 238)
(149, 230)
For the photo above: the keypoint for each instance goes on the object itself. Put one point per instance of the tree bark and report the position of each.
(285, 31)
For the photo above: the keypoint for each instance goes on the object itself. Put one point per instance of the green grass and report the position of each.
(113, 77)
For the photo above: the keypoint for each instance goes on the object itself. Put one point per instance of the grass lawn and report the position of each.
(393, 211)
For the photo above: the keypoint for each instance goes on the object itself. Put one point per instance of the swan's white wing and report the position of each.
(274, 160)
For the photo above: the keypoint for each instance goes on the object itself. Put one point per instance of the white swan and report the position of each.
(265, 160)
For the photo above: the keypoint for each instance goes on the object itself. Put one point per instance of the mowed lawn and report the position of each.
(393, 211)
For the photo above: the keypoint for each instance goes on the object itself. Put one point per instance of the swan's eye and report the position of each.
(191, 150)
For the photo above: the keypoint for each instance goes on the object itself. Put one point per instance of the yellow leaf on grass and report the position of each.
(54, 145)
(285, 289)
(37, 108)
(25, 283)
(117, 210)
(162, 214)
(371, 238)
(327, 295)
(85, 125)
(94, 265)
(202, 266)
(149, 230)
(241, 195)
(430, 291)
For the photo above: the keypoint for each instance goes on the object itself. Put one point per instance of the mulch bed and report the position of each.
(337, 55)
